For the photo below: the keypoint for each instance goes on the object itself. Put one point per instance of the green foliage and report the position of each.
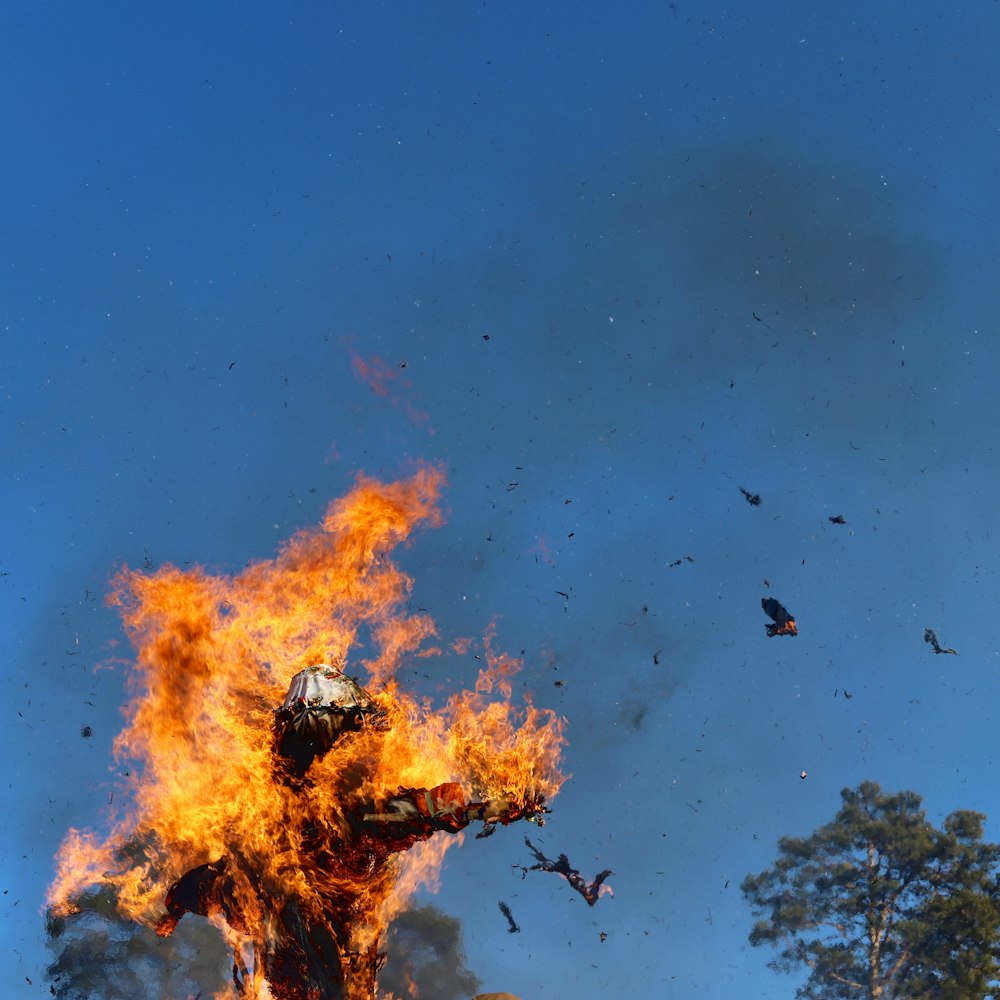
(880, 905)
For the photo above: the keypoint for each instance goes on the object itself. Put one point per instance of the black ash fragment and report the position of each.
(512, 923)
(930, 637)
(752, 498)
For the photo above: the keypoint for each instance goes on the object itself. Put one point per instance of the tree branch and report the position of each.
(843, 979)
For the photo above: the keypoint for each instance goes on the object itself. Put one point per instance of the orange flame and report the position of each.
(215, 656)
(785, 628)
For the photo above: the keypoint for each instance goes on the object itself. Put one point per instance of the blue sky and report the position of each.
(633, 258)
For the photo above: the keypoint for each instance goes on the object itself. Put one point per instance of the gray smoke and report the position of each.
(100, 955)
(426, 958)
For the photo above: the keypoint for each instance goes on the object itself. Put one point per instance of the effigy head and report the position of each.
(322, 705)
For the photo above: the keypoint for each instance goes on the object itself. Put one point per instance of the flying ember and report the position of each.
(784, 623)
(274, 793)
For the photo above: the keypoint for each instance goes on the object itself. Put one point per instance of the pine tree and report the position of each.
(878, 904)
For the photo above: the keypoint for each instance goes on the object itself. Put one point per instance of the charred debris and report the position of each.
(591, 891)
(782, 622)
(929, 636)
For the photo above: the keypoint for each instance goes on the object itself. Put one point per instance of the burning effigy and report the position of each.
(272, 793)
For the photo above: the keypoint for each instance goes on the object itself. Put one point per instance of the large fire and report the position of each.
(300, 848)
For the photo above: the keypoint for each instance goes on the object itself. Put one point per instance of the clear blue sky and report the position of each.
(710, 248)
